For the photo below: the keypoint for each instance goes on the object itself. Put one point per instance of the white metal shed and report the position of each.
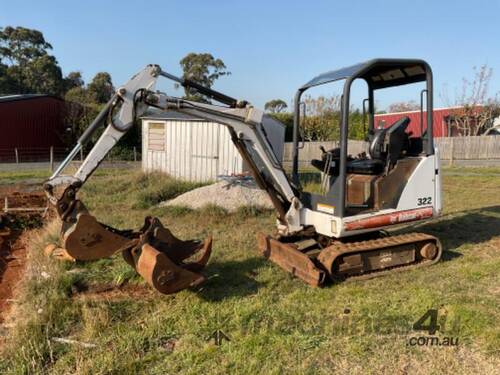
(189, 148)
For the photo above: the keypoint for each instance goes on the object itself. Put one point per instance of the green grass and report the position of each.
(276, 323)
(9, 177)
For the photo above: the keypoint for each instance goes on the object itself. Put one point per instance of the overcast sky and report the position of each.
(271, 47)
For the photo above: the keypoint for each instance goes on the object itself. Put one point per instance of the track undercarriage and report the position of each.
(315, 259)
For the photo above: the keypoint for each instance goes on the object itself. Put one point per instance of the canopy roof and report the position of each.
(378, 73)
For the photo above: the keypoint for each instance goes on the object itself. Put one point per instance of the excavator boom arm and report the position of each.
(244, 122)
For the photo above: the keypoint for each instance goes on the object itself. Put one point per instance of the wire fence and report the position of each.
(21, 155)
(32, 154)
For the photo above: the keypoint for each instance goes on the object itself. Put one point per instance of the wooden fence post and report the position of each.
(451, 150)
(52, 158)
(17, 155)
(135, 154)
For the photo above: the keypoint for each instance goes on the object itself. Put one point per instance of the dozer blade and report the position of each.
(288, 257)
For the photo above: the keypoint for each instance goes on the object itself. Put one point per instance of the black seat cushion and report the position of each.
(366, 166)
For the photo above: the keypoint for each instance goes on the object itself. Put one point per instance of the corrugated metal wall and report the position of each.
(32, 123)
(192, 150)
(440, 128)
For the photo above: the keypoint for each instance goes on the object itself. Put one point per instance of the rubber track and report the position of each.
(380, 243)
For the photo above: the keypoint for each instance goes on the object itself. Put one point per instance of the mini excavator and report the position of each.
(339, 234)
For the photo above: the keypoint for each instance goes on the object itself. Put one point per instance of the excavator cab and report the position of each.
(375, 179)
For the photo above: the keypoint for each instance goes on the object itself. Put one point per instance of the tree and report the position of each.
(72, 80)
(20, 45)
(81, 109)
(475, 110)
(275, 106)
(203, 69)
(84, 102)
(321, 121)
(43, 76)
(101, 88)
(403, 107)
(6, 82)
(26, 63)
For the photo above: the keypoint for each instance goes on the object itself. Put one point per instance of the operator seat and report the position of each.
(383, 152)
(396, 143)
(379, 150)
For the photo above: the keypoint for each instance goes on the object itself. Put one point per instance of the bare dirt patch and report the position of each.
(110, 292)
(21, 210)
(12, 260)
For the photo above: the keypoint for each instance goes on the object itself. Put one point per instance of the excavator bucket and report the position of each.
(88, 239)
(167, 263)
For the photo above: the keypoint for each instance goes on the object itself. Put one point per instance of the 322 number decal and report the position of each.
(424, 201)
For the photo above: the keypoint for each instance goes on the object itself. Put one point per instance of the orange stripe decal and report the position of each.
(389, 219)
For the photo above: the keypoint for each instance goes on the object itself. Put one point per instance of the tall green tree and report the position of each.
(19, 45)
(85, 102)
(72, 80)
(6, 82)
(204, 69)
(101, 89)
(27, 64)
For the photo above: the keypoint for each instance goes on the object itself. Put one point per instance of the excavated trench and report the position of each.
(22, 208)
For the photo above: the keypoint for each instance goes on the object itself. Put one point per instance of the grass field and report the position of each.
(276, 324)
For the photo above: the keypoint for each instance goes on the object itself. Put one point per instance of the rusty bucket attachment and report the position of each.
(88, 239)
(163, 260)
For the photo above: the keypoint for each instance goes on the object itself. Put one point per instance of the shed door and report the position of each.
(156, 145)
(204, 150)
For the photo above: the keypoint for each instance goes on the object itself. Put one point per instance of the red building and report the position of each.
(442, 119)
(30, 124)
